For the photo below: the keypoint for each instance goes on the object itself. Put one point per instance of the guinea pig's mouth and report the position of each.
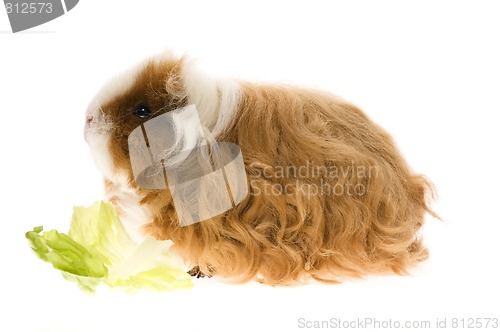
(90, 131)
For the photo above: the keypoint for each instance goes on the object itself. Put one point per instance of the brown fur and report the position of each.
(287, 238)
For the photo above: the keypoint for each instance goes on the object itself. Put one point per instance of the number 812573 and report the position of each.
(29, 8)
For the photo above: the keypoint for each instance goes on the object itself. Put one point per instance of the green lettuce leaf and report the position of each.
(98, 249)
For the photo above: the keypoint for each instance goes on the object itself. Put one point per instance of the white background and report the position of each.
(429, 72)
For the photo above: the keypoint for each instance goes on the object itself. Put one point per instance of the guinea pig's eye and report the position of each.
(142, 111)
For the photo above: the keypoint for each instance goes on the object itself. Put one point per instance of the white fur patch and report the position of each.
(98, 144)
(216, 99)
(133, 215)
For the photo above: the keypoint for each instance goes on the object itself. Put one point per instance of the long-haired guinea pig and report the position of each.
(329, 197)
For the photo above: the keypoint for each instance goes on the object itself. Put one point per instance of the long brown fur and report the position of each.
(284, 238)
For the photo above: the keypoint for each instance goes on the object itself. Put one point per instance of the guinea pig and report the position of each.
(330, 197)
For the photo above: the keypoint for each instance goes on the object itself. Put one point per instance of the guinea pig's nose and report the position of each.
(89, 119)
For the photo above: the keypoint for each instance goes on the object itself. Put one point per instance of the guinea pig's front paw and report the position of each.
(196, 272)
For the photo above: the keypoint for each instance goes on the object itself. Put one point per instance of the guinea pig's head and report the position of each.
(148, 90)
